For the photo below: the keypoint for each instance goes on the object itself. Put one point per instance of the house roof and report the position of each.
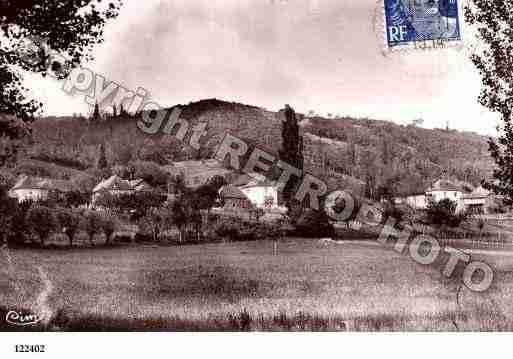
(444, 185)
(246, 181)
(479, 192)
(49, 184)
(113, 183)
(116, 183)
(231, 191)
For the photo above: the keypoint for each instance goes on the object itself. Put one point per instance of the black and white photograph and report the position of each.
(263, 166)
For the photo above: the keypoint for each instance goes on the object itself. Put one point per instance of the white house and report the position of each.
(118, 186)
(444, 189)
(439, 190)
(479, 201)
(38, 189)
(262, 194)
(416, 201)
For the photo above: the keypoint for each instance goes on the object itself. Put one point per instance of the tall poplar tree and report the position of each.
(291, 150)
(493, 20)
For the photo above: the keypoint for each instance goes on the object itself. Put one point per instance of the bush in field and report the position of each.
(109, 224)
(239, 230)
(314, 223)
(41, 221)
(230, 229)
(156, 221)
(272, 230)
(69, 222)
(92, 224)
(443, 213)
(20, 229)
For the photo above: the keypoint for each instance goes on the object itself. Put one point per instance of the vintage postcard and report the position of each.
(255, 166)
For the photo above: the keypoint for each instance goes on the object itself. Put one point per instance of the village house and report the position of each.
(444, 189)
(38, 189)
(234, 199)
(480, 201)
(115, 185)
(416, 201)
(440, 190)
(262, 194)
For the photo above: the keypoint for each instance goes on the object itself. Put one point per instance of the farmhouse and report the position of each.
(38, 189)
(445, 189)
(416, 201)
(115, 185)
(262, 194)
(480, 201)
(234, 199)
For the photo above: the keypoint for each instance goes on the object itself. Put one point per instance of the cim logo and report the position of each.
(21, 319)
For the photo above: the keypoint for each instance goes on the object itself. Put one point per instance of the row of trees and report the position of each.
(24, 221)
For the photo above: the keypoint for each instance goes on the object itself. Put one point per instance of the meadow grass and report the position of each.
(243, 286)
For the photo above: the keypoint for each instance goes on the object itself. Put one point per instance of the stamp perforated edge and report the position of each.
(426, 45)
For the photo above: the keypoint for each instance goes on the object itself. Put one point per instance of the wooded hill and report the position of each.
(365, 155)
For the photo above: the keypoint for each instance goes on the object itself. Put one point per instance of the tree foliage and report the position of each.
(33, 31)
(7, 214)
(493, 20)
(102, 159)
(92, 224)
(69, 221)
(41, 221)
(444, 213)
(291, 151)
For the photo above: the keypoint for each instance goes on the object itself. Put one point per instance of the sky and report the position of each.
(322, 55)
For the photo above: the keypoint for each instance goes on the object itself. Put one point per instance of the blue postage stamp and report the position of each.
(410, 21)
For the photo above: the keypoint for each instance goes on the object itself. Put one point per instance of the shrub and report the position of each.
(314, 223)
(443, 213)
(41, 221)
(92, 224)
(20, 230)
(228, 229)
(108, 225)
(69, 221)
(236, 229)
(272, 230)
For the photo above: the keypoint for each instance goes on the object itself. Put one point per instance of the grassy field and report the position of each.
(243, 286)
